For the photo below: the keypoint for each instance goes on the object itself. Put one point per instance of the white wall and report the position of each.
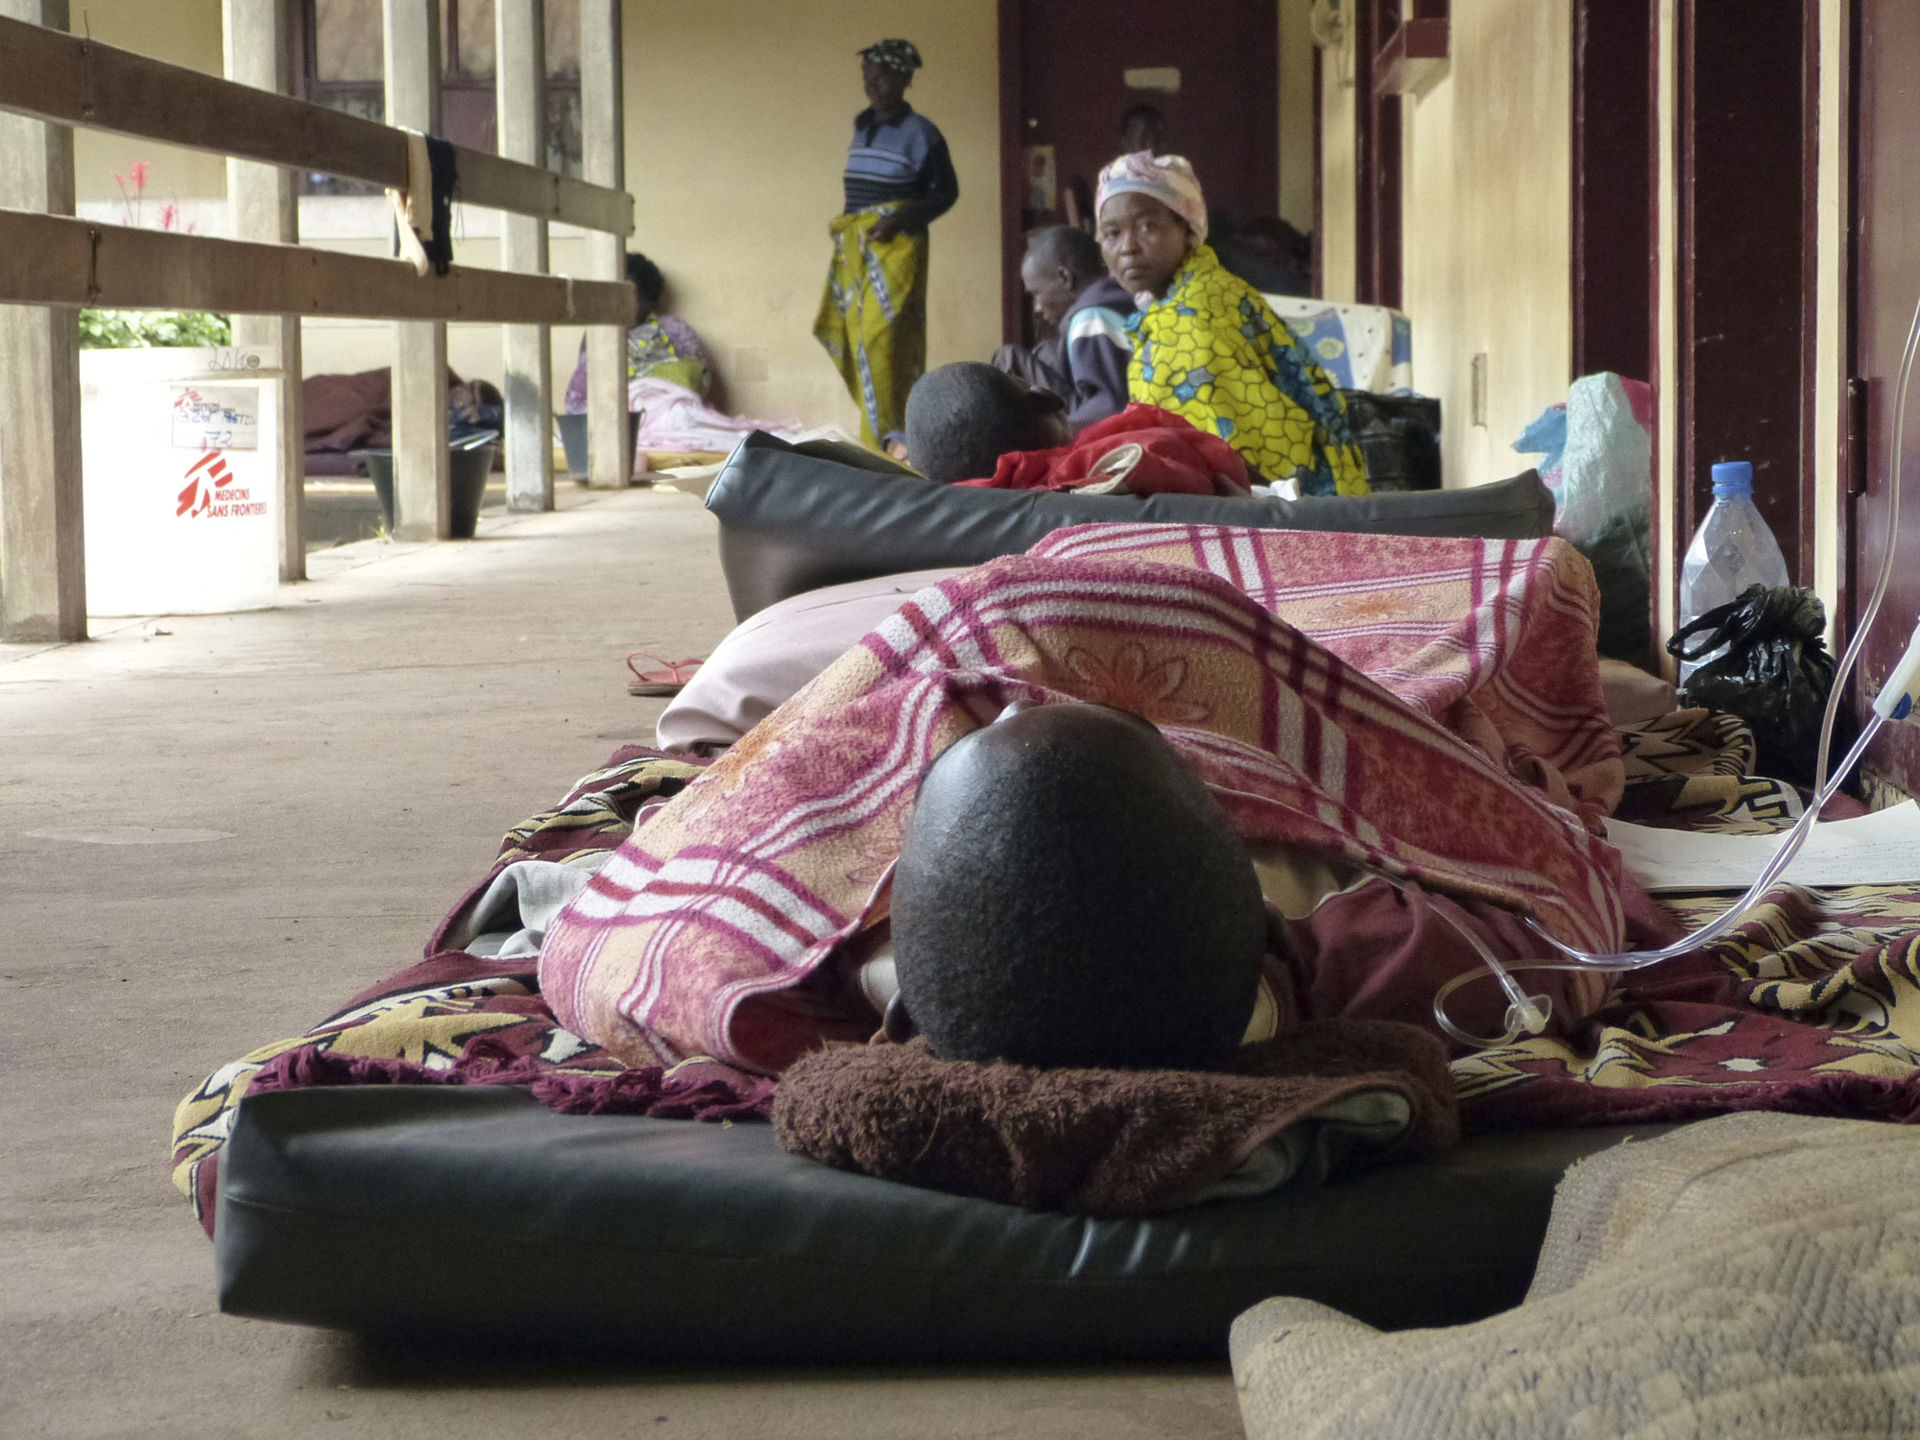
(1487, 237)
(1296, 115)
(1339, 233)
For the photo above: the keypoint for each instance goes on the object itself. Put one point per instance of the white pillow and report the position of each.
(770, 655)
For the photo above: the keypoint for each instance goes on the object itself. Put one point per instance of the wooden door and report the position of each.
(1885, 267)
(1064, 74)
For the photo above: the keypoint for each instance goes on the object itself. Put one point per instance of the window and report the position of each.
(342, 54)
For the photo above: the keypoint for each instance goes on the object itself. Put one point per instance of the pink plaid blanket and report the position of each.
(1486, 636)
(1446, 697)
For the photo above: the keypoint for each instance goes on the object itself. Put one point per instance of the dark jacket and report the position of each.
(1095, 349)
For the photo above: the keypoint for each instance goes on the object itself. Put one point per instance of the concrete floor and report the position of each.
(214, 829)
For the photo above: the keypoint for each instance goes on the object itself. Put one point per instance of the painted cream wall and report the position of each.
(1486, 237)
(1338, 197)
(738, 118)
(1296, 115)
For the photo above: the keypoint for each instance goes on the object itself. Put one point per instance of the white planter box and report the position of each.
(180, 458)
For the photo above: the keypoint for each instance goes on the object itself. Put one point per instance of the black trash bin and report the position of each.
(1400, 437)
(472, 462)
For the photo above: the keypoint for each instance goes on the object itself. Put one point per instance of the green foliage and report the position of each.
(124, 329)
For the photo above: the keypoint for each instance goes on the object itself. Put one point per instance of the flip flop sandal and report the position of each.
(666, 680)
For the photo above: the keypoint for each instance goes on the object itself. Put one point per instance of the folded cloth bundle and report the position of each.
(1122, 1142)
(1143, 450)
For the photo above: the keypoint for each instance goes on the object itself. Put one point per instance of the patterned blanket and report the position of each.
(1474, 633)
(727, 924)
(1812, 1006)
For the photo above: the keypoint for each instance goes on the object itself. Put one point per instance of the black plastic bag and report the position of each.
(1398, 436)
(1775, 673)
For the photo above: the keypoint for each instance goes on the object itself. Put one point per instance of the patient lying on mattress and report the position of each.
(961, 418)
(974, 425)
(1417, 769)
(1069, 894)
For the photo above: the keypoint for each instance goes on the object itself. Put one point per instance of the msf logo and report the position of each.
(205, 479)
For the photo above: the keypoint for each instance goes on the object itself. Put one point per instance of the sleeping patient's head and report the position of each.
(963, 417)
(1070, 894)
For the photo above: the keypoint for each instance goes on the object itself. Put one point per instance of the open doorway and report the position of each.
(1072, 69)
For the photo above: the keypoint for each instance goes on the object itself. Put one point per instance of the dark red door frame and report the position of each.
(1881, 270)
(1376, 161)
(1616, 155)
(1746, 143)
(1615, 211)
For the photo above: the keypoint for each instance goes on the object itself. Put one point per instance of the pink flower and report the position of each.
(139, 176)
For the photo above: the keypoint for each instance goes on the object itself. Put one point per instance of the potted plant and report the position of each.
(179, 458)
(135, 329)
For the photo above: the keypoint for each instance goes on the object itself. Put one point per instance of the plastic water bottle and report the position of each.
(1732, 549)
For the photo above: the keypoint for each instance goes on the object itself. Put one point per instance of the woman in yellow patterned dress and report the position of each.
(1206, 346)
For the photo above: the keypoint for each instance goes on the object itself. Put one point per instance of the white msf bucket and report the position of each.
(180, 462)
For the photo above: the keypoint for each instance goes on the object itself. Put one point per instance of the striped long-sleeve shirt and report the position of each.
(903, 157)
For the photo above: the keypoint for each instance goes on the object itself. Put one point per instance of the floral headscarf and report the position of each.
(1166, 178)
(900, 55)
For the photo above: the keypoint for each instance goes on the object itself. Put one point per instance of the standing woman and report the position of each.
(1205, 344)
(899, 180)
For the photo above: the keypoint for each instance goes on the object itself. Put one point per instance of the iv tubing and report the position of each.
(1825, 785)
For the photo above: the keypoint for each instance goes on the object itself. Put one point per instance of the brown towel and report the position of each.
(1098, 1142)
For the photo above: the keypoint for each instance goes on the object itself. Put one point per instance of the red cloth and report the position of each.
(1174, 459)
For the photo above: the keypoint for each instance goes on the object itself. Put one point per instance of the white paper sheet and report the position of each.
(1881, 848)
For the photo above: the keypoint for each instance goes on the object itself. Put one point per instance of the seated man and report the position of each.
(1086, 366)
(963, 417)
(1389, 786)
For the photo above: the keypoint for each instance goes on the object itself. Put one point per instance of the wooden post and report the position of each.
(520, 50)
(263, 206)
(609, 451)
(422, 480)
(43, 577)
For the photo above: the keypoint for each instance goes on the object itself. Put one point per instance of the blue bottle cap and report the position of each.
(1733, 477)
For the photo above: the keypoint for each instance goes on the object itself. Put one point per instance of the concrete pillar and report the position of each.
(520, 77)
(422, 482)
(263, 206)
(43, 576)
(610, 462)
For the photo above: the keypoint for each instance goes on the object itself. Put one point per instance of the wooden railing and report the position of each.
(54, 262)
(70, 80)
